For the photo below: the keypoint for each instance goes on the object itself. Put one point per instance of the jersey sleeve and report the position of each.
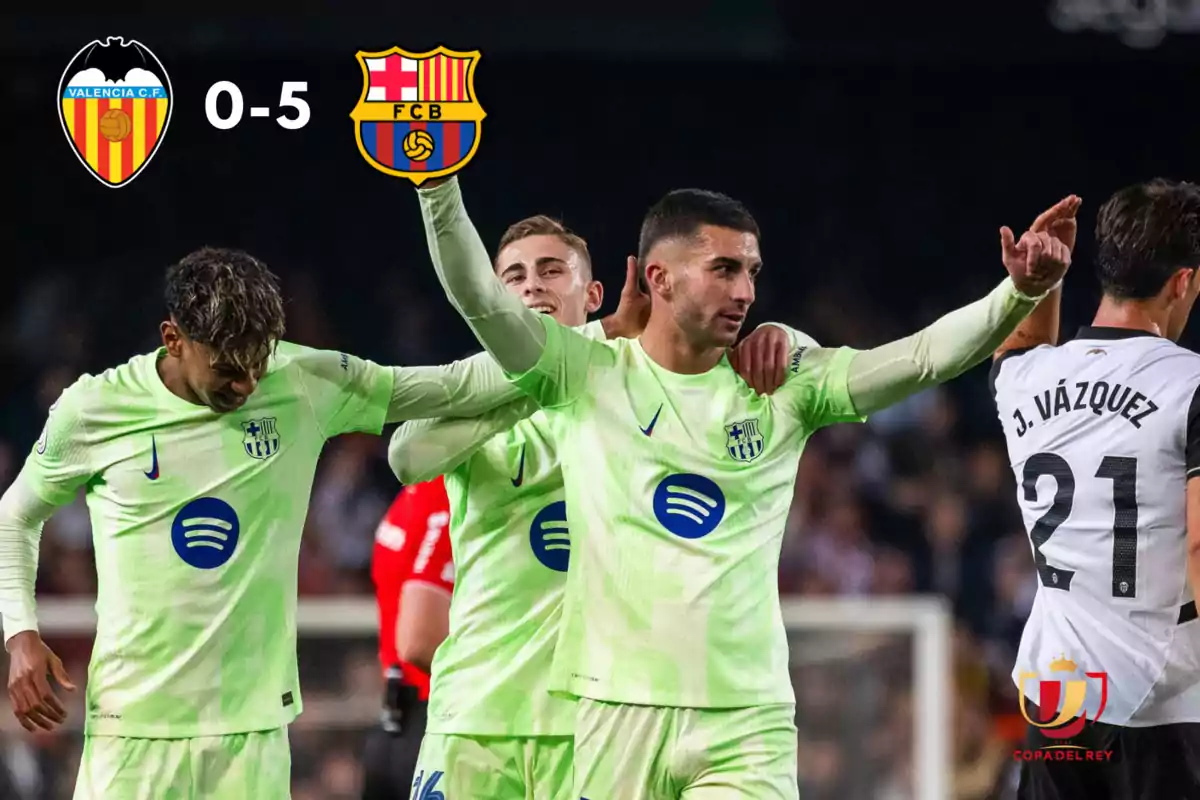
(817, 388)
(561, 374)
(422, 449)
(939, 352)
(464, 388)
(347, 394)
(1192, 446)
(433, 563)
(59, 463)
(22, 514)
(796, 339)
(500, 321)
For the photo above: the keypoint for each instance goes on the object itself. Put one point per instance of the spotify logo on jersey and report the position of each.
(549, 537)
(205, 532)
(689, 506)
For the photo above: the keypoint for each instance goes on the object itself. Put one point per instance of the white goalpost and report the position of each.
(929, 620)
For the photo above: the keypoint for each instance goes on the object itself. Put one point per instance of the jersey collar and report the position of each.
(1105, 332)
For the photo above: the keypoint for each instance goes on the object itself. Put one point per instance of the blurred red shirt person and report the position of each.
(413, 577)
(412, 543)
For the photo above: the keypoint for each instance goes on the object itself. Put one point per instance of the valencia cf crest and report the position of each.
(418, 116)
(744, 442)
(261, 438)
(114, 103)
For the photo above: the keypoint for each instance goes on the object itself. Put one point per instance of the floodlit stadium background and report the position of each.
(879, 148)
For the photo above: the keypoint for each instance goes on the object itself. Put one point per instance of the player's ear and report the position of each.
(172, 338)
(1182, 283)
(595, 296)
(658, 279)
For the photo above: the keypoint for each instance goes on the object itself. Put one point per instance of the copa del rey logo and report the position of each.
(1062, 710)
(114, 103)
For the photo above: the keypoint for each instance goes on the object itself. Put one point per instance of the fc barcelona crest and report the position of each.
(418, 116)
(261, 438)
(744, 442)
(114, 103)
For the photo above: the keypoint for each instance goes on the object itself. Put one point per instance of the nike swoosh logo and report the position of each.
(153, 473)
(517, 481)
(649, 429)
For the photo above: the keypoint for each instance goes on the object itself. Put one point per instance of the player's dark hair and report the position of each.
(229, 301)
(541, 225)
(682, 212)
(1144, 234)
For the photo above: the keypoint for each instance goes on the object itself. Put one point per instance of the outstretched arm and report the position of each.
(423, 449)
(478, 385)
(460, 389)
(349, 394)
(513, 334)
(885, 375)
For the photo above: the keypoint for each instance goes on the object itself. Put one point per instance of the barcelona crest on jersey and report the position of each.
(744, 441)
(261, 438)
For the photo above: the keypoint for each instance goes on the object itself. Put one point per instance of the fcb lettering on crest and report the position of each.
(744, 441)
(114, 103)
(261, 438)
(418, 116)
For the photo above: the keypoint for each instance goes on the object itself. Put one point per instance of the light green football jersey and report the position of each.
(677, 492)
(196, 519)
(511, 545)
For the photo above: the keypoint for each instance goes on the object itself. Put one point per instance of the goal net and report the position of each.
(871, 677)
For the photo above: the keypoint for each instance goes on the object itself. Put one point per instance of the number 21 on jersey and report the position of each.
(1122, 471)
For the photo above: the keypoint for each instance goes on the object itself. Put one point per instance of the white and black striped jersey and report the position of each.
(1103, 432)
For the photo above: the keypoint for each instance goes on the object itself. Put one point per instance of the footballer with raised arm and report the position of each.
(677, 480)
(494, 729)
